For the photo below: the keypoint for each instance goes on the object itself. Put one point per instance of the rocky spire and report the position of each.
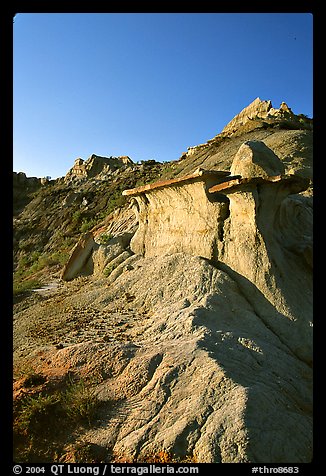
(256, 108)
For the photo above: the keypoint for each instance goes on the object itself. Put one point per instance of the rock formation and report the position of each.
(177, 216)
(257, 108)
(96, 165)
(194, 320)
(222, 368)
(257, 115)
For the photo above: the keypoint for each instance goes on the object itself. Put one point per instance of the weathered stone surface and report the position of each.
(256, 108)
(78, 258)
(177, 219)
(96, 165)
(199, 370)
(253, 252)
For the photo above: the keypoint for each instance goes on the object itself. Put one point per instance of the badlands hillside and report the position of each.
(163, 312)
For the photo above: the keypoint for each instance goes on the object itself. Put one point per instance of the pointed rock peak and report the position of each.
(257, 108)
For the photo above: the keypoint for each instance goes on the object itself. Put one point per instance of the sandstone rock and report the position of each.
(176, 216)
(78, 258)
(285, 108)
(96, 165)
(236, 234)
(255, 159)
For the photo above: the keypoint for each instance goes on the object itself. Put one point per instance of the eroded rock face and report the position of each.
(77, 263)
(239, 225)
(196, 370)
(96, 165)
(256, 108)
(177, 219)
(256, 254)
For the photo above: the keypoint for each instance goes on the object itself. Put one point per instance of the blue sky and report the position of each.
(147, 85)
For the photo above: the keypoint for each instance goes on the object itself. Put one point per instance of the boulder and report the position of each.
(80, 254)
(255, 159)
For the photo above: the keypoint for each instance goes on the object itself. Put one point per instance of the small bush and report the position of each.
(108, 270)
(59, 257)
(87, 225)
(21, 287)
(44, 420)
(80, 402)
(76, 216)
(37, 413)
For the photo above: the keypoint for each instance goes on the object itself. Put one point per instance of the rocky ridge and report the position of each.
(203, 357)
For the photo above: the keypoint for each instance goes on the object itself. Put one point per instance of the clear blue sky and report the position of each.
(147, 85)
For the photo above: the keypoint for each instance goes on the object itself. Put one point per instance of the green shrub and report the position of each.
(76, 216)
(21, 287)
(108, 270)
(78, 403)
(87, 225)
(105, 238)
(38, 414)
(59, 257)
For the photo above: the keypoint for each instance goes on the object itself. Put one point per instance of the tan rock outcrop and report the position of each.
(236, 224)
(255, 159)
(257, 108)
(257, 115)
(96, 165)
(177, 216)
(79, 256)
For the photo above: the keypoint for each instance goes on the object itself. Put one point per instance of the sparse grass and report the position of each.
(162, 456)
(38, 414)
(87, 224)
(105, 238)
(80, 402)
(21, 287)
(108, 270)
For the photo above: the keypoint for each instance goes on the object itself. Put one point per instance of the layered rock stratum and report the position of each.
(189, 307)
